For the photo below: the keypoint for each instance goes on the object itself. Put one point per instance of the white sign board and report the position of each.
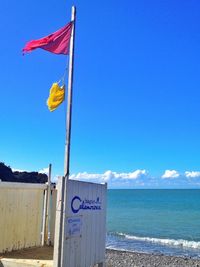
(85, 225)
(73, 226)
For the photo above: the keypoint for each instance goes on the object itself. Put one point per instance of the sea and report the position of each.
(154, 221)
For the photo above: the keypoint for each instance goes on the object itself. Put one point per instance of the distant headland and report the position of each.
(7, 175)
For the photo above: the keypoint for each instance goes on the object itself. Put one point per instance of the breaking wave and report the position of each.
(164, 241)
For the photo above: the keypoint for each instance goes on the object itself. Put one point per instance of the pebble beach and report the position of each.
(115, 258)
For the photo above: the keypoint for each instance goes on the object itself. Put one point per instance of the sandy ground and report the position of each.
(38, 257)
(114, 258)
(42, 253)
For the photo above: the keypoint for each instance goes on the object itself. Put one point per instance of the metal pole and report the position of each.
(48, 220)
(44, 216)
(68, 131)
(46, 211)
(69, 104)
(58, 223)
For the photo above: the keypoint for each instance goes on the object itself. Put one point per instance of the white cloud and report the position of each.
(170, 174)
(109, 176)
(137, 174)
(44, 170)
(18, 170)
(139, 178)
(192, 174)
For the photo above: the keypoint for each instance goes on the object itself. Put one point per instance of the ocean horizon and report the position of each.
(159, 221)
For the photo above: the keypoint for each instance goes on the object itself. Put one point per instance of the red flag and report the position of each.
(57, 42)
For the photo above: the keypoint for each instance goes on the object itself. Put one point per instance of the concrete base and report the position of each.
(25, 263)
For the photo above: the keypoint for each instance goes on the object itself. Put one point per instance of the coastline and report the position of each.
(114, 258)
(118, 258)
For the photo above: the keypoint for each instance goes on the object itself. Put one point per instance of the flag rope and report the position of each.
(63, 78)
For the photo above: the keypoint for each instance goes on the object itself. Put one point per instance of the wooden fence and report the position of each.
(22, 214)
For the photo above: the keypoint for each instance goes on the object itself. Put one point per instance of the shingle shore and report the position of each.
(115, 258)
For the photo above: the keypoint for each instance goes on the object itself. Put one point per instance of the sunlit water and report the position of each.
(154, 221)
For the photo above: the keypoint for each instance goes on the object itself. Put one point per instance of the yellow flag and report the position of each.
(56, 96)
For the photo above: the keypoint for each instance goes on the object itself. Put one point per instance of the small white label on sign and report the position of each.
(74, 226)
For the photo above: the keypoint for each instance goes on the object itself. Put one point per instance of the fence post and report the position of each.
(46, 212)
(58, 222)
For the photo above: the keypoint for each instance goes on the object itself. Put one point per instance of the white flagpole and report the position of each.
(68, 138)
(69, 104)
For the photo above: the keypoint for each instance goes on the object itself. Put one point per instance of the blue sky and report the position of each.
(136, 90)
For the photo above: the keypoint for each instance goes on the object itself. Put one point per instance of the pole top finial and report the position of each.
(73, 13)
